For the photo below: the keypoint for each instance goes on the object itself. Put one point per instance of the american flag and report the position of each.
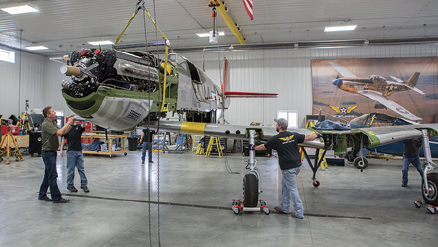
(248, 7)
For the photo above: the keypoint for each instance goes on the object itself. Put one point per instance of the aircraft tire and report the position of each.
(250, 190)
(432, 181)
(359, 164)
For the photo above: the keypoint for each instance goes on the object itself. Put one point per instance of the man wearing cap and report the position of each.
(289, 159)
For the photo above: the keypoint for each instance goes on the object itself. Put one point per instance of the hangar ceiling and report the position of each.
(64, 26)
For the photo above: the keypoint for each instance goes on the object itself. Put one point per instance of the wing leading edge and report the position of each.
(377, 96)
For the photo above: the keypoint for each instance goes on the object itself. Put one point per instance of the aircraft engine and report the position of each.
(90, 69)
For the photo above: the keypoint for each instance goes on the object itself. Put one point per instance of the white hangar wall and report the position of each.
(286, 72)
(15, 91)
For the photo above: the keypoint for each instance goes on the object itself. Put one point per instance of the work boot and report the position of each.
(142, 162)
(295, 216)
(62, 200)
(150, 161)
(72, 189)
(277, 208)
(404, 185)
(85, 188)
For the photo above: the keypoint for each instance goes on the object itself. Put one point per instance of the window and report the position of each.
(8, 56)
(290, 116)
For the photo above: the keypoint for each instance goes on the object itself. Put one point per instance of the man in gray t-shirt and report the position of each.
(411, 156)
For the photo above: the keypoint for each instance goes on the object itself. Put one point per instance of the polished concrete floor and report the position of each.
(350, 208)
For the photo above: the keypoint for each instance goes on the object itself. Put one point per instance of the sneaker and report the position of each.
(72, 189)
(62, 200)
(142, 162)
(295, 216)
(45, 198)
(85, 188)
(277, 208)
(404, 185)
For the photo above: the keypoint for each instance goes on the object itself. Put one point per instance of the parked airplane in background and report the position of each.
(381, 120)
(377, 88)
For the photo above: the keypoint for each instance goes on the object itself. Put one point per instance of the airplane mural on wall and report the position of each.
(377, 88)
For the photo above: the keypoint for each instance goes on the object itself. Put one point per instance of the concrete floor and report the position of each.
(350, 208)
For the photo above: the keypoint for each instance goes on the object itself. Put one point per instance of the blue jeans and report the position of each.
(289, 188)
(146, 145)
(50, 176)
(415, 162)
(75, 158)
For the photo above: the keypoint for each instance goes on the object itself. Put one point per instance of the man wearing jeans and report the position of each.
(75, 158)
(147, 138)
(289, 159)
(411, 156)
(49, 136)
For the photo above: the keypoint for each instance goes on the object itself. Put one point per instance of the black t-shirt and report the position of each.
(286, 144)
(412, 148)
(74, 138)
(148, 135)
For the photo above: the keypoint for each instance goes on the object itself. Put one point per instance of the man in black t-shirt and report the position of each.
(289, 159)
(75, 158)
(147, 138)
(411, 156)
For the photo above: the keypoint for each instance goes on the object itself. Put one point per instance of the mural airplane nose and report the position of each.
(337, 82)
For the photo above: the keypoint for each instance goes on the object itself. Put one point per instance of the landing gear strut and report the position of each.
(251, 186)
(430, 184)
(316, 165)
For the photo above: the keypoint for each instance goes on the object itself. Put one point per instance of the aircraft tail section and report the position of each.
(412, 82)
(226, 77)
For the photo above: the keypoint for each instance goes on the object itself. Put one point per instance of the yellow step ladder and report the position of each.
(214, 140)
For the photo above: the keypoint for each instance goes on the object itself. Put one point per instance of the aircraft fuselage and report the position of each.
(375, 83)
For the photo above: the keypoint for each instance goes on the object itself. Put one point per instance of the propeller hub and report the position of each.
(337, 82)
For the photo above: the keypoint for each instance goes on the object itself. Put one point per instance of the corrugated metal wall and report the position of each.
(286, 72)
(14, 94)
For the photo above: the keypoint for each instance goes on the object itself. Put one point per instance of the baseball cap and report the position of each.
(282, 122)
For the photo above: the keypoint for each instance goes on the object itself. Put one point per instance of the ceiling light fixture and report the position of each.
(340, 28)
(103, 42)
(202, 35)
(35, 48)
(19, 9)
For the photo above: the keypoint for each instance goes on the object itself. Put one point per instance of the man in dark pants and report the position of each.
(289, 159)
(75, 158)
(411, 156)
(49, 135)
(147, 138)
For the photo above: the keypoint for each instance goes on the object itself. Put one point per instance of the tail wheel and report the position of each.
(316, 183)
(250, 190)
(432, 194)
(360, 163)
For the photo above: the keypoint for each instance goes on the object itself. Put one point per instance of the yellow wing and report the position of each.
(283, 139)
(349, 109)
(290, 137)
(335, 108)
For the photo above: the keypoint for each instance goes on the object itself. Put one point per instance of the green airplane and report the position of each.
(117, 90)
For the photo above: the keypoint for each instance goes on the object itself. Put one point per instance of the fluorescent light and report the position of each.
(202, 35)
(340, 28)
(103, 42)
(35, 48)
(19, 9)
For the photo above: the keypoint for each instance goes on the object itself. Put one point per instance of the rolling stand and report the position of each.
(251, 187)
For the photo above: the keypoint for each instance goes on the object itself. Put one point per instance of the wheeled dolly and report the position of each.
(251, 187)
(238, 207)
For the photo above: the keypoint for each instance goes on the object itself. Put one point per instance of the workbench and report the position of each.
(110, 151)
